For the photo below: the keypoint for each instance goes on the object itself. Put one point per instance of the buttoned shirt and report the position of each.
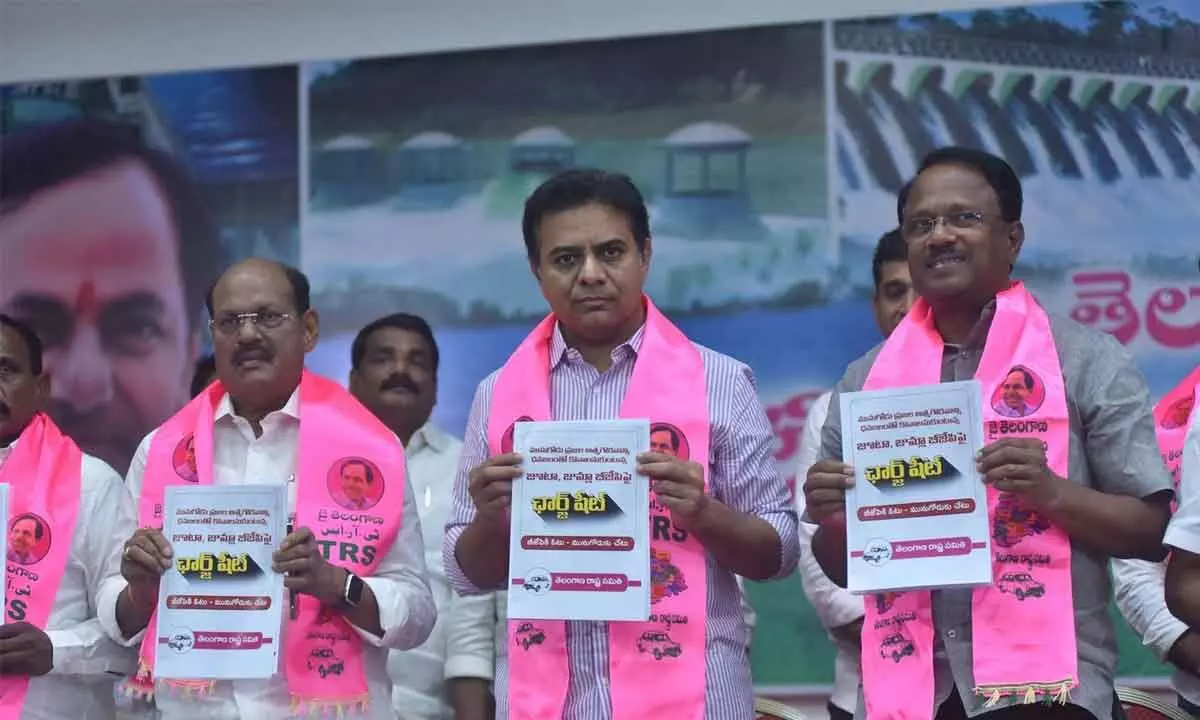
(406, 608)
(463, 642)
(742, 475)
(1112, 448)
(87, 663)
(835, 606)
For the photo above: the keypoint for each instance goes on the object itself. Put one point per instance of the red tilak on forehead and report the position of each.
(87, 304)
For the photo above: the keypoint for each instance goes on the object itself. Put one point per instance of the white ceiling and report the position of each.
(46, 39)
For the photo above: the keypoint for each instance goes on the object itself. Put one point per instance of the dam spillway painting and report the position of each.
(1104, 131)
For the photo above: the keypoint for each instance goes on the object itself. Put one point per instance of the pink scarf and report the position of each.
(656, 668)
(334, 429)
(44, 485)
(1023, 626)
(1168, 413)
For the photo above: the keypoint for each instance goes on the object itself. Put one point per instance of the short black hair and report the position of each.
(1026, 376)
(33, 343)
(366, 466)
(890, 248)
(998, 174)
(668, 430)
(399, 321)
(301, 288)
(206, 365)
(38, 529)
(578, 187)
(46, 156)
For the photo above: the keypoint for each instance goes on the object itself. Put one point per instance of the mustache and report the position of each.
(399, 382)
(5, 410)
(246, 351)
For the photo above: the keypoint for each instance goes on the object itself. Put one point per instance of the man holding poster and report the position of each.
(66, 515)
(1074, 481)
(719, 506)
(356, 575)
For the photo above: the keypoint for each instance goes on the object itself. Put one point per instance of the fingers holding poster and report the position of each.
(219, 596)
(580, 538)
(918, 512)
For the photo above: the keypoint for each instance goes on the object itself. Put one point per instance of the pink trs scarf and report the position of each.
(656, 668)
(334, 429)
(43, 476)
(1024, 642)
(1172, 416)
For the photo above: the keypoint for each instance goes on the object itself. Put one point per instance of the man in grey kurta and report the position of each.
(964, 210)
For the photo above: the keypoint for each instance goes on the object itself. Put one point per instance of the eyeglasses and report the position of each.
(917, 228)
(266, 319)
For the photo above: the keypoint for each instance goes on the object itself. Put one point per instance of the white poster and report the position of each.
(917, 516)
(580, 543)
(220, 605)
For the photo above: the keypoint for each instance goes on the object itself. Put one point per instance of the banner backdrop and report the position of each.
(770, 158)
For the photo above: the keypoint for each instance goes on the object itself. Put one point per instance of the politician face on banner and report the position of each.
(107, 252)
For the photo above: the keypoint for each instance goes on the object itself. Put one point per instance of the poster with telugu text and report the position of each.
(220, 604)
(917, 515)
(580, 538)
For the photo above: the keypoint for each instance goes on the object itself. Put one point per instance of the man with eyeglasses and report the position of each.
(353, 597)
(1075, 482)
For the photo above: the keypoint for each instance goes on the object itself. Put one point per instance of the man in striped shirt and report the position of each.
(588, 241)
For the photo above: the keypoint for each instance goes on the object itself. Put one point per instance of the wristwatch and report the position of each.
(352, 591)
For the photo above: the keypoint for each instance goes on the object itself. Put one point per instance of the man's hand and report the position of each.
(849, 633)
(490, 485)
(679, 485)
(307, 572)
(1185, 653)
(147, 556)
(1018, 465)
(825, 491)
(25, 650)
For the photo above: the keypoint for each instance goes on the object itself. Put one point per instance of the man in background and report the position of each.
(1140, 586)
(840, 612)
(108, 251)
(394, 363)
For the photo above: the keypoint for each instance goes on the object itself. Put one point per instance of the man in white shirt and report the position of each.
(263, 326)
(1172, 629)
(60, 665)
(840, 612)
(394, 364)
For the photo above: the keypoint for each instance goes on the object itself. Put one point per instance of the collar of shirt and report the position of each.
(428, 437)
(290, 409)
(560, 352)
(977, 337)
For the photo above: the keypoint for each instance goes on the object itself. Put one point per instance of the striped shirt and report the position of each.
(742, 475)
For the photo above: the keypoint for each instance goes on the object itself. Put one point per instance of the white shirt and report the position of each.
(463, 642)
(86, 662)
(1145, 601)
(406, 609)
(835, 605)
